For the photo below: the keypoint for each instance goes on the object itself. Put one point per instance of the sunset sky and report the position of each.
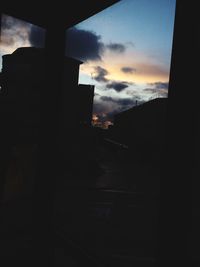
(125, 49)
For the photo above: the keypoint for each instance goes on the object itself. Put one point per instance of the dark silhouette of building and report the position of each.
(70, 93)
(143, 129)
(77, 99)
(23, 82)
(23, 75)
(85, 103)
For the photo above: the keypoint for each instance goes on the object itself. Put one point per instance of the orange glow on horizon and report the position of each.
(145, 73)
(102, 124)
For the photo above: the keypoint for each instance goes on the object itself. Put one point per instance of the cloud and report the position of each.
(159, 85)
(156, 93)
(119, 101)
(158, 89)
(128, 70)
(150, 90)
(96, 94)
(83, 44)
(107, 98)
(132, 92)
(14, 33)
(86, 45)
(122, 102)
(116, 47)
(118, 86)
(37, 36)
(9, 23)
(105, 110)
(109, 106)
(126, 102)
(100, 74)
(106, 107)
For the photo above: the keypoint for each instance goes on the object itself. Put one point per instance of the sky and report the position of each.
(125, 50)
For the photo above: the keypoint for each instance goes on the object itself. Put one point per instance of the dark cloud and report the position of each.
(83, 44)
(6, 23)
(117, 86)
(10, 23)
(128, 70)
(13, 31)
(124, 102)
(107, 98)
(150, 90)
(96, 94)
(157, 93)
(105, 110)
(116, 47)
(87, 45)
(117, 104)
(37, 36)
(158, 89)
(106, 107)
(100, 74)
(159, 85)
